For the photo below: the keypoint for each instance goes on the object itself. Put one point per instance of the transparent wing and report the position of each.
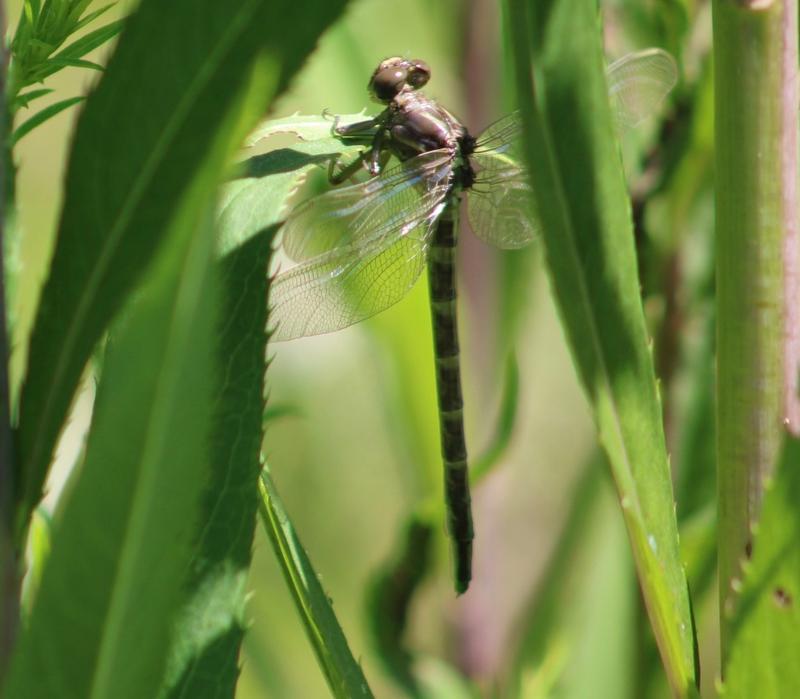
(346, 285)
(500, 204)
(394, 203)
(501, 136)
(638, 83)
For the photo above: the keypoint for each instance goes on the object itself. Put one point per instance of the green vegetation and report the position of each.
(630, 381)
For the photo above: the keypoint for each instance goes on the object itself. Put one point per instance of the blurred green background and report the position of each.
(360, 450)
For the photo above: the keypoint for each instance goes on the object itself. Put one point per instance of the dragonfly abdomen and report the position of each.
(442, 281)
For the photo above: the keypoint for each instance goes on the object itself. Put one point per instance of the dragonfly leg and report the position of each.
(358, 130)
(346, 172)
(378, 155)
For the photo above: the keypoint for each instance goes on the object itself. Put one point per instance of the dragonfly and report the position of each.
(360, 248)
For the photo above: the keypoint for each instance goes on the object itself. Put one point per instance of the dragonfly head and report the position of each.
(396, 74)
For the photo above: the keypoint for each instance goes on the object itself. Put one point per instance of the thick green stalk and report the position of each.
(755, 60)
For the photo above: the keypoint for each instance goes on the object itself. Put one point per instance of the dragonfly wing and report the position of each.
(345, 285)
(638, 83)
(500, 204)
(394, 203)
(501, 136)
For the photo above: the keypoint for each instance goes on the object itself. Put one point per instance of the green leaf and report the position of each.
(42, 116)
(306, 128)
(212, 621)
(573, 157)
(137, 500)
(73, 10)
(91, 17)
(39, 544)
(258, 196)
(59, 62)
(765, 627)
(344, 675)
(128, 168)
(91, 41)
(31, 10)
(25, 98)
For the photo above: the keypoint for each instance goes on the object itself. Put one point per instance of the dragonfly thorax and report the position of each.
(417, 124)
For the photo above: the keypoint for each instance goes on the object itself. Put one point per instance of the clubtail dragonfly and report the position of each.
(360, 248)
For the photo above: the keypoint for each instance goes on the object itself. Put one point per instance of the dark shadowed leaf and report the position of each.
(204, 661)
(102, 619)
(143, 134)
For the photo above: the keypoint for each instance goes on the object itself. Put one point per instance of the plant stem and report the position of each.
(755, 60)
(9, 587)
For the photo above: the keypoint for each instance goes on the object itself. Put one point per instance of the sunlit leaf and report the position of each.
(573, 157)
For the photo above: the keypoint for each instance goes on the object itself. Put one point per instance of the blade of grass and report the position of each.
(755, 85)
(344, 675)
(574, 163)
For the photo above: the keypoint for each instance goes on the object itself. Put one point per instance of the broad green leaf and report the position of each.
(205, 660)
(102, 619)
(765, 627)
(573, 157)
(131, 155)
(344, 675)
(257, 197)
(306, 128)
(42, 116)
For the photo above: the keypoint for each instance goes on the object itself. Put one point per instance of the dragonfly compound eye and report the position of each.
(418, 74)
(387, 82)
